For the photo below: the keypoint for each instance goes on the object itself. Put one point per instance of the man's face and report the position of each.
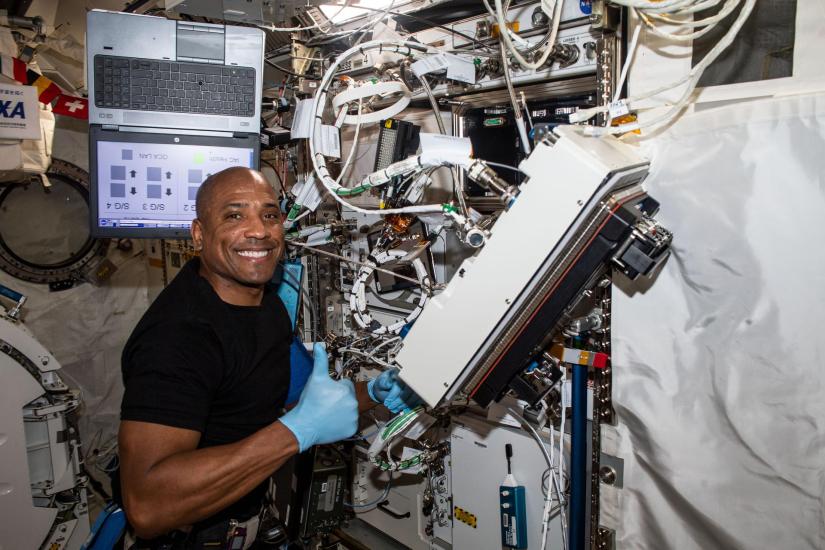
(240, 234)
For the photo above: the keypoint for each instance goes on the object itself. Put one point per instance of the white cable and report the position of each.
(345, 259)
(726, 10)
(652, 4)
(381, 18)
(369, 89)
(631, 52)
(691, 9)
(547, 459)
(526, 109)
(692, 78)
(368, 356)
(318, 103)
(505, 36)
(292, 222)
(510, 31)
(559, 487)
(548, 503)
(353, 148)
(563, 387)
(586, 114)
(369, 24)
(384, 343)
(273, 28)
(690, 23)
(522, 131)
(358, 298)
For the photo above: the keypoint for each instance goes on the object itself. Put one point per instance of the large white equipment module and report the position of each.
(42, 484)
(581, 207)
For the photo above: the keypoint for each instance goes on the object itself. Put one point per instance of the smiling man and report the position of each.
(206, 375)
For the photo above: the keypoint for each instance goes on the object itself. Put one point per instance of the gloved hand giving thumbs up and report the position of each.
(327, 410)
(388, 389)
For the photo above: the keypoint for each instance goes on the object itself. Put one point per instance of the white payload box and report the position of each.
(582, 206)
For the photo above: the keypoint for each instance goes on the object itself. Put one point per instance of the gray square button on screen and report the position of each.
(117, 190)
(152, 173)
(193, 193)
(153, 191)
(195, 176)
(118, 172)
(125, 154)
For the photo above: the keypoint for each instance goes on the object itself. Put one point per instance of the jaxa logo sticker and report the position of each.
(586, 6)
(19, 113)
(13, 109)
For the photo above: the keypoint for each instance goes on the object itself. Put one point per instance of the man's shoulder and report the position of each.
(185, 299)
(181, 310)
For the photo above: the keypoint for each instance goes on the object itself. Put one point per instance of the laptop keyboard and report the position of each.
(151, 85)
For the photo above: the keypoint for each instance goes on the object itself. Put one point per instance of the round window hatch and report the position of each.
(44, 228)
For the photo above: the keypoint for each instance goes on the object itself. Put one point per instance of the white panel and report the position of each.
(563, 179)
(479, 467)
(21, 524)
(404, 498)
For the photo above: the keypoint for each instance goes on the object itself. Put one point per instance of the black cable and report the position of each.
(277, 175)
(132, 6)
(289, 72)
(98, 488)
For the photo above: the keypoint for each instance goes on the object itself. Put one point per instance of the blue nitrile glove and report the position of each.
(386, 388)
(327, 410)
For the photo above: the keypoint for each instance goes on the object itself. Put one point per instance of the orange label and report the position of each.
(513, 26)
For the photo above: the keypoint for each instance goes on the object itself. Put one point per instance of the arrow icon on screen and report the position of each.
(168, 175)
(133, 191)
(168, 192)
(133, 173)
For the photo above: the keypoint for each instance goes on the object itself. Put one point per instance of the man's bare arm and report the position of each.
(169, 483)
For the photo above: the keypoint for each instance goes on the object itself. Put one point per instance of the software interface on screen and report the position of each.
(149, 185)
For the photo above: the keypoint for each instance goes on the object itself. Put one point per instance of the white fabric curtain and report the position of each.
(719, 368)
(85, 328)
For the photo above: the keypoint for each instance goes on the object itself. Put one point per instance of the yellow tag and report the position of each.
(626, 119)
(513, 26)
(465, 517)
(388, 123)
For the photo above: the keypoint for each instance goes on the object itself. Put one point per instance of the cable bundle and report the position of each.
(673, 12)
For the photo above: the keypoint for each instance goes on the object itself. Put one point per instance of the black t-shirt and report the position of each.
(196, 362)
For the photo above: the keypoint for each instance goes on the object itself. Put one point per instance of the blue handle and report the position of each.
(10, 294)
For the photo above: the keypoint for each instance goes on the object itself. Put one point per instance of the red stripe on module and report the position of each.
(566, 271)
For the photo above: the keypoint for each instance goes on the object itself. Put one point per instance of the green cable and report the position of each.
(293, 212)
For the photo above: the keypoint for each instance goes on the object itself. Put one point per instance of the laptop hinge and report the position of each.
(114, 127)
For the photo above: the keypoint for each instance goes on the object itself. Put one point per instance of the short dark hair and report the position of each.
(203, 199)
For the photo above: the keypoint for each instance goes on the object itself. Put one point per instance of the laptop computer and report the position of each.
(170, 102)
(156, 72)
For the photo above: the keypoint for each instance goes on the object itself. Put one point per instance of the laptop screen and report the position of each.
(146, 184)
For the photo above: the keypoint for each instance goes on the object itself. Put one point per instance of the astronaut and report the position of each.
(207, 375)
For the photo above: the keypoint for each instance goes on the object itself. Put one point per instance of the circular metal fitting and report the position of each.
(44, 228)
(540, 18)
(475, 238)
(607, 475)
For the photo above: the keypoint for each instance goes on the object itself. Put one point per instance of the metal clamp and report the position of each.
(20, 299)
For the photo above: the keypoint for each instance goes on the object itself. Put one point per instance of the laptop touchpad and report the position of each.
(199, 44)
